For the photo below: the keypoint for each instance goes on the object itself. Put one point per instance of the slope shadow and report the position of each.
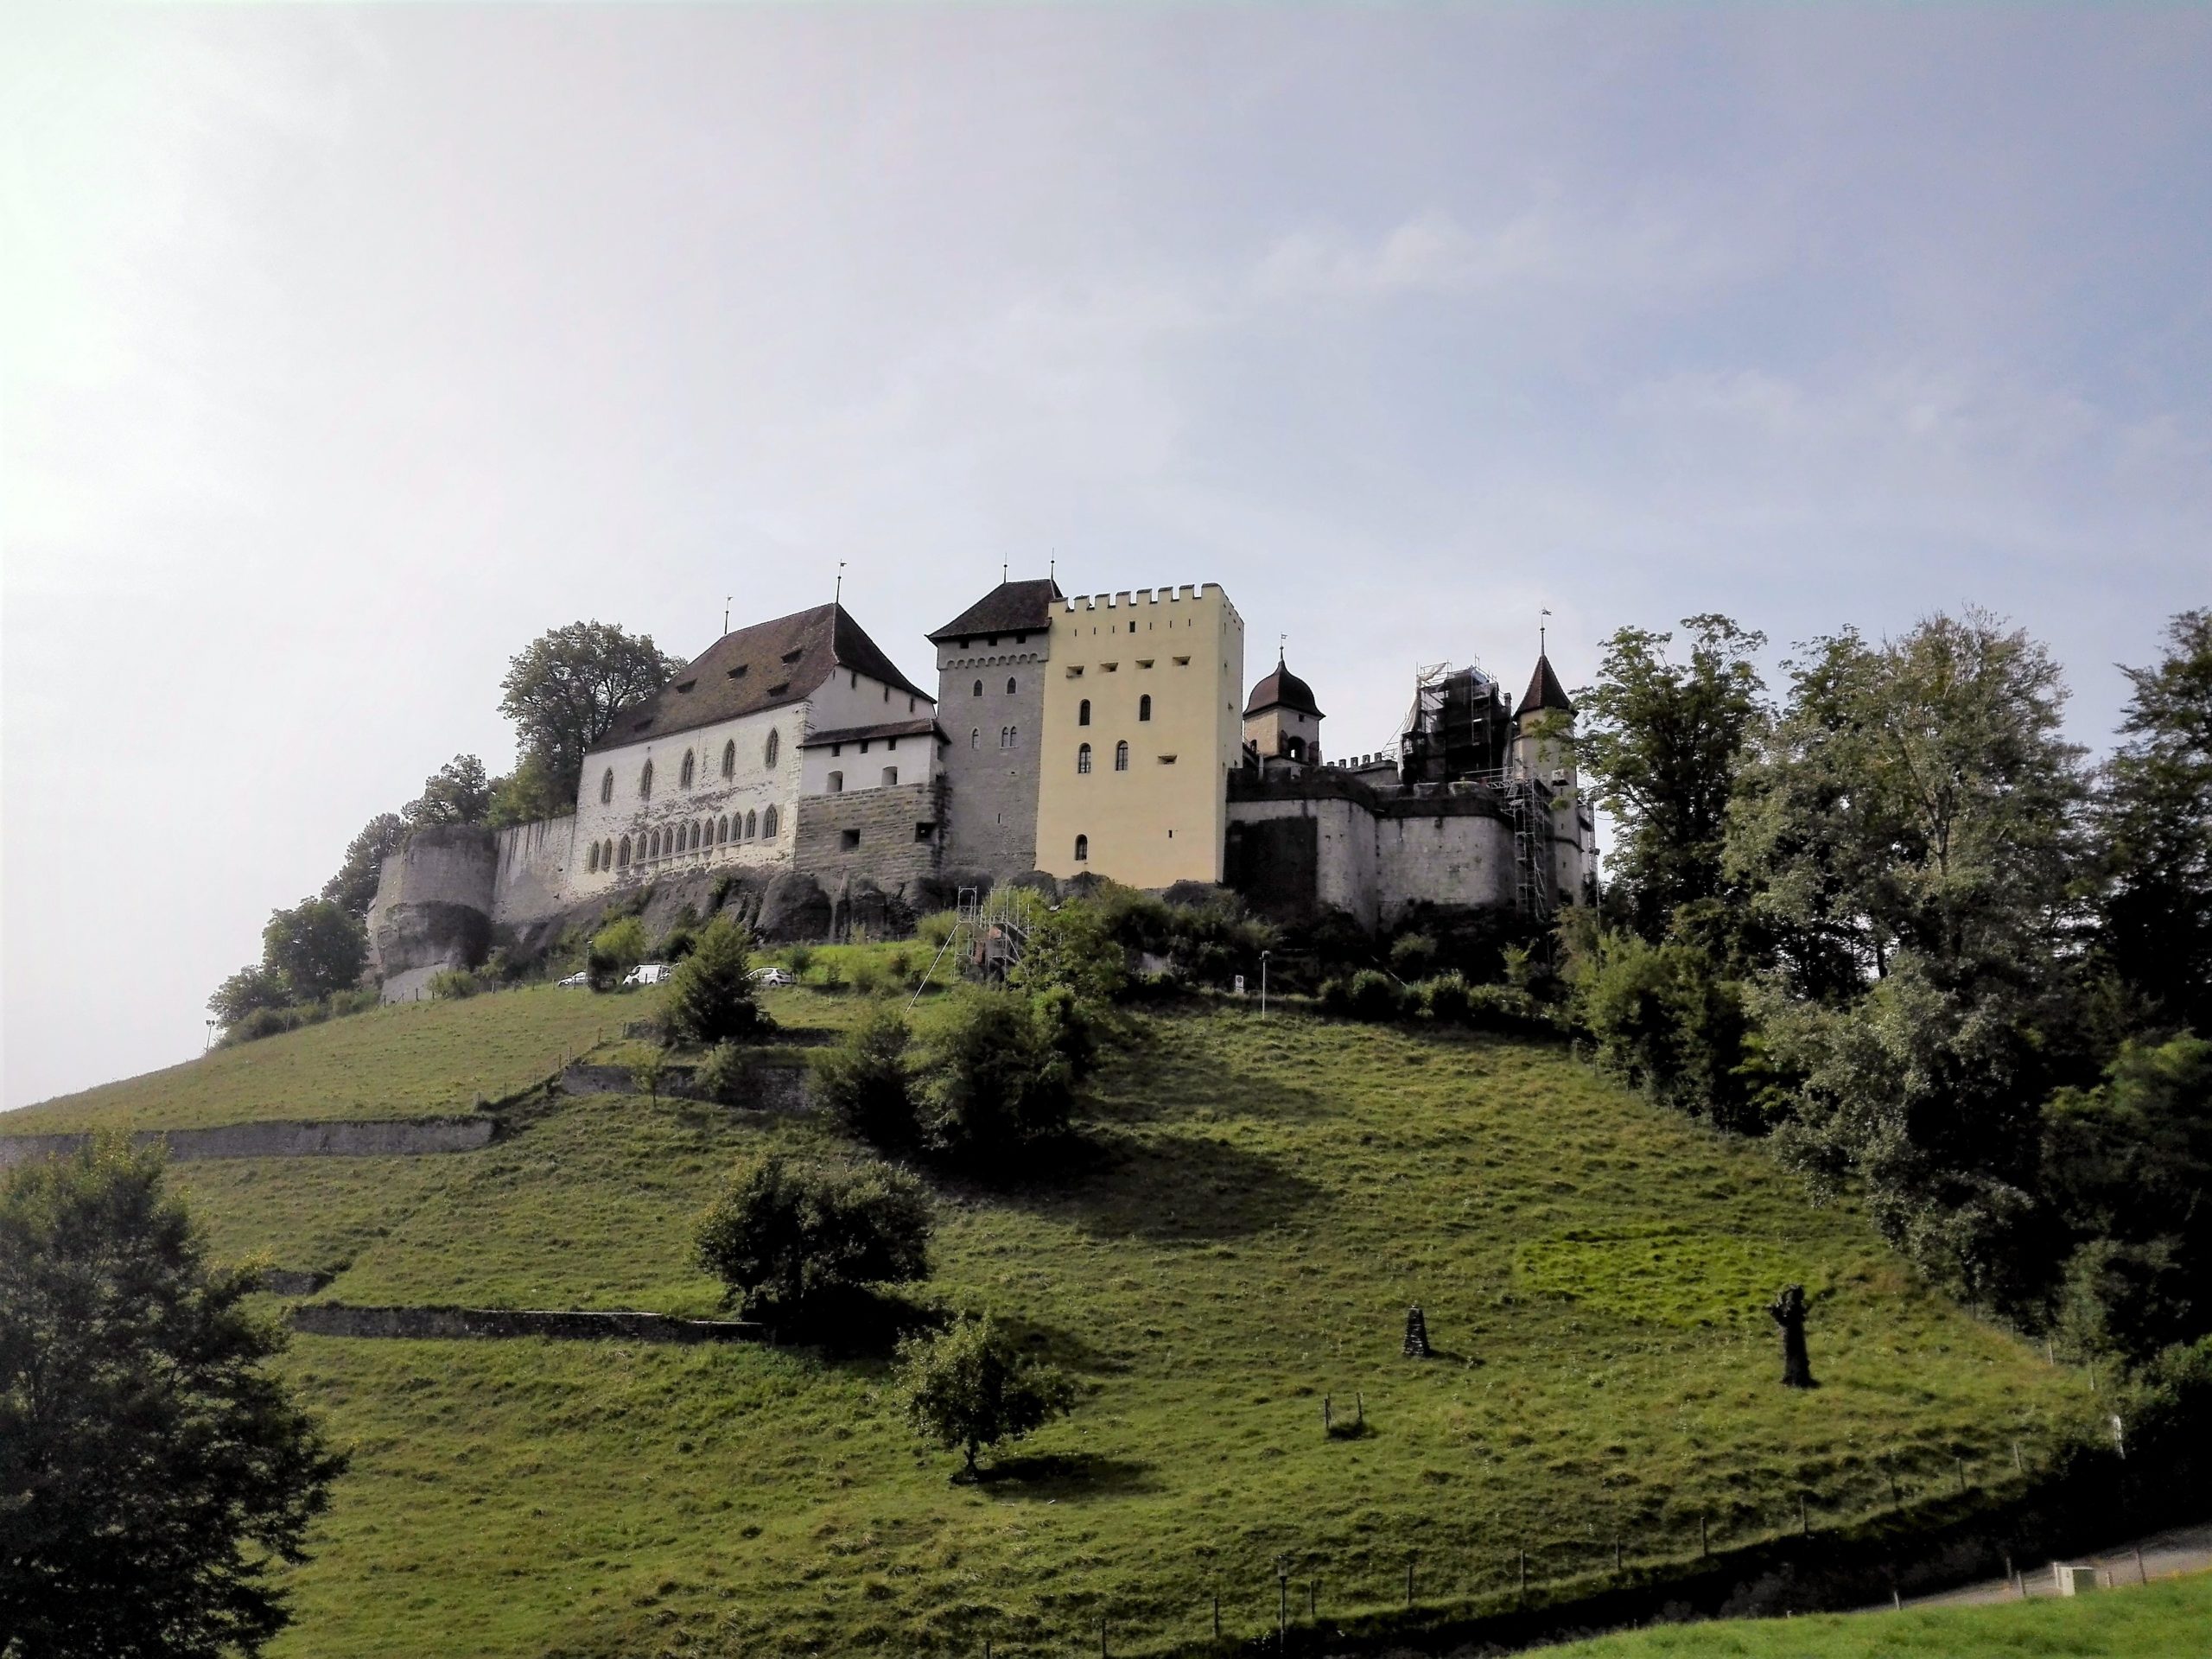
(1070, 1475)
(1147, 1088)
(1168, 1188)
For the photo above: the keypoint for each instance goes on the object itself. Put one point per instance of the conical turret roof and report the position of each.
(1544, 692)
(1281, 688)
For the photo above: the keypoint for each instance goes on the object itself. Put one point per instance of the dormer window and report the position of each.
(685, 685)
(738, 673)
(779, 688)
(644, 725)
(795, 653)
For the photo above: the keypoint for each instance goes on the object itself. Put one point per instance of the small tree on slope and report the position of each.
(969, 1388)
(710, 1000)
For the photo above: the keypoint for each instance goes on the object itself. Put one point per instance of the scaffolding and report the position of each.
(1459, 727)
(988, 937)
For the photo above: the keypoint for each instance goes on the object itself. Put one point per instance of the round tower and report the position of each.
(1543, 729)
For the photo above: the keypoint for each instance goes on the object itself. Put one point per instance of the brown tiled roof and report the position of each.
(1283, 689)
(1010, 608)
(1544, 691)
(764, 666)
(922, 725)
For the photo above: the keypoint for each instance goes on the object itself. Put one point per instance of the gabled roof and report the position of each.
(1281, 688)
(764, 666)
(920, 726)
(1010, 608)
(1544, 692)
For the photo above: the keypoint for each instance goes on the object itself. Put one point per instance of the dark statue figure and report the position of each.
(1788, 1310)
(1417, 1334)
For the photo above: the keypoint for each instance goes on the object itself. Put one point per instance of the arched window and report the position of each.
(721, 830)
(593, 867)
(1009, 685)
(1081, 848)
(837, 783)
(606, 787)
(976, 737)
(752, 825)
(978, 692)
(623, 857)
(1014, 737)
(1144, 707)
(1121, 757)
(890, 776)
(698, 835)
(1296, 748)
(683, 776)
(1083, 758)
(1082, 712)
(607, 854)
(729, 759)
(774, 747)
(653, 845)
(768, 824)
(646, 783)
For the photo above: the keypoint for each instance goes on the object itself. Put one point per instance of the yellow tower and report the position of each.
(1141, 731)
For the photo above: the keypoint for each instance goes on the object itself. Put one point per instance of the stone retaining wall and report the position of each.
(769, 1086)
(337, 1138)
(446, 1324)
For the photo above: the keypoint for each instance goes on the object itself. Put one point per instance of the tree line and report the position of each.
(1890, 917)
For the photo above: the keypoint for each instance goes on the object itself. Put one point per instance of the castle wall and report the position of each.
(434, 903)
(875, 833)
(1453, 852)
(531, 880)
(991, 764)
(1293, 854)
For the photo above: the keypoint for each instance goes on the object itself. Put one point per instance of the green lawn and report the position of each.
(412, 1059)
(1252, 1209)
(2166, 1621)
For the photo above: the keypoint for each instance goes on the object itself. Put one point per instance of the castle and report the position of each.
(793, 768)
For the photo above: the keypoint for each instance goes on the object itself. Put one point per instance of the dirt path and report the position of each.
(2161, 1555)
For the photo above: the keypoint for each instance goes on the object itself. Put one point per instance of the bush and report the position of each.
(621, 945)
(1447, 999)
(790, 1240)
(603, 970)
(1336, 998)
(992, 1079)
(1414, 956)
(724, 1075)
(450, 984)
(1374, 995)
(934, 929)
(801, 957)
(969, 1387)
(863, 1080)
(868, 978)
(676, 944)
(711, 994)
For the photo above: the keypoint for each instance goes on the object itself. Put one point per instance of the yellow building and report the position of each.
(1141, 732)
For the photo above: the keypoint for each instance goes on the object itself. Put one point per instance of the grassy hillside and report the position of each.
(2162, 1622)
(1251, 1210)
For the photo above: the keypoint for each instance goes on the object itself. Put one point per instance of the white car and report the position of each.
(577, 981)
(649, 973)
(773, 977)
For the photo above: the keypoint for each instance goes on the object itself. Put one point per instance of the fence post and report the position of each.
(1897, 1601)
(1102, 1635)
(1313, 1599)
(2019, 1464)
(1326, 1423)
(2141, 1577)
(1961, 1462)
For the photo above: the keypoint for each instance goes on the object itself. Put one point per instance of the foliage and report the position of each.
(2154, 822)
(934, 929)
(1073, 948)
(562, 692)
(991, 1078)
(450, 982)
(788, 1238)
(723, 1074)
(1665, 1019)
(615, 950)
(711, 996)
(1374, 995)
(1447, 999)
(314, 949)
(354, 886)
(294, 1016)
(250, 989)
(677, 943)
(150, 1459)
(1662, 741)
(800, 957)
(527, 794)
(970, 1387)
(863, 1079)
(868, 976)
(1413, 956)
(457, 793)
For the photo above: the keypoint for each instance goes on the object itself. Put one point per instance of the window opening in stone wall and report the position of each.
(1083, 758)
(653, 845)
(1009, 685)
(624, 857)
(721, 830)
(592, 869)
(1144, 707)
(856, 681)
(729, 759)
(1121, 757)
(645, 782)
(752, 826)
(768, 824)
(976, 737)
(1082, 712)
(768, 755)
(978, 692)
(683, 774)
(1081, 848)
(837, 783)
(607, 786)
(924, 831)
(890, 776)
(849, 840)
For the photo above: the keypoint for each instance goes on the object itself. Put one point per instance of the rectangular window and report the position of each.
(1182, 662)
(890, 776)
(1144, 662)
(924, 831)
(848, 839)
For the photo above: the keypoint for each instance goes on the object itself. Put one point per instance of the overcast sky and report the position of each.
(346, 351)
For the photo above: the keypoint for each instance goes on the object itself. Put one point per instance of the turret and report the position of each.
(1281, 720)
(1543, 729)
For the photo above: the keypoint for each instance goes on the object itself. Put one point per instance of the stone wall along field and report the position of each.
(337, 1138)
(449, 1323)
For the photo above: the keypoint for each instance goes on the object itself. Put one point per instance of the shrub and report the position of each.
(648, 1074)
(801, 957)
(900, 967)
(863, 1079)
(1446, 999)
(724, 1075)
(992, 1079)
(676, 944)
(791, 1239)
(833, 973)
(1336, 998)
(969, 1387)
(1374, 995)
(622, 943)
(868, 978)
(1414, 956)
(711, 994)
(602, 970)
(936, 928)
(452, 984)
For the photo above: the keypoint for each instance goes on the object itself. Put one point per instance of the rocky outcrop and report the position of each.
(433, 908)
(793, 907)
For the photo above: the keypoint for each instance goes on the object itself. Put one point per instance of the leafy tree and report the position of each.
(315, 947)
(793, 1239)
(527, 794)
(969, 1387)
(1073, 948)
(1663, 741)
(457, 793)
(1664, 1018)
(354, 886)
(863, 1079)
(711, 998)
(2155, 824)
(151, 1466)
(250, 989)
(563, 690)
(992, 1078)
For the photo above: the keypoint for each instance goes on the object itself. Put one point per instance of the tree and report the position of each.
(250, 989)
(457, 793)
(2155, 824)
(969, 1387)
(562, 693)
(1663, 741)
(314, 949)
(1788, 1312)
(993, 1078)
(354, 887)
(527, 794)
(152, 1465)
(863, 1080)
(711, 996)
(793, 1239)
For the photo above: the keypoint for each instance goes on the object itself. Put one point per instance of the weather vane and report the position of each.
(838, 596)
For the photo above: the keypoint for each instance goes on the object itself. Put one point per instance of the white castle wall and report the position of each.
(1462, 858)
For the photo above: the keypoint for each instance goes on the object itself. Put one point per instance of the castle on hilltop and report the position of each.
(793, 771)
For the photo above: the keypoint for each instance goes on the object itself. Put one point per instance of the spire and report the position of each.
(1544, 692)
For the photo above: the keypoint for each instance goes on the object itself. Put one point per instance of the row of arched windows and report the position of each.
(1121, 757)
(1083, 710)
(667, 843)
(978, 691)
(686, 773)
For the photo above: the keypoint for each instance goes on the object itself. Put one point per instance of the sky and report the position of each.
(343, 351)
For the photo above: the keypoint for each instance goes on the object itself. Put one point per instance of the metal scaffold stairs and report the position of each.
(987, 939)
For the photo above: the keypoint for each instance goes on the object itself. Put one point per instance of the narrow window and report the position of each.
(752, 826)
(837, 783)
(721, 830)
(978, 692)
(653, 845)
(729, 759)
(909, 705)
(890, 776)
(1009, 685)
(607, 854)
(1083, 758)
(646, 783)
(775, 744)
(924, 831)
(768, 824)
(698, 835)
(856, 680)
(593, 867)
(886, 694)
(1081, 848)
(1121, 757)
(1014, 737)
(1144, 707)
(624, 857)
(976, 737)
(684, 775)
(1082, 712)
(607, 786)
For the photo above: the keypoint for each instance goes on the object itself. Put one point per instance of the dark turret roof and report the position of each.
(1010, 608)
(764, 666)
(1281, 688)
(1544, 692)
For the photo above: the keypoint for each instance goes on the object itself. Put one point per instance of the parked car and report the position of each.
(649, 973)
(576, 979)
(774, 976)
